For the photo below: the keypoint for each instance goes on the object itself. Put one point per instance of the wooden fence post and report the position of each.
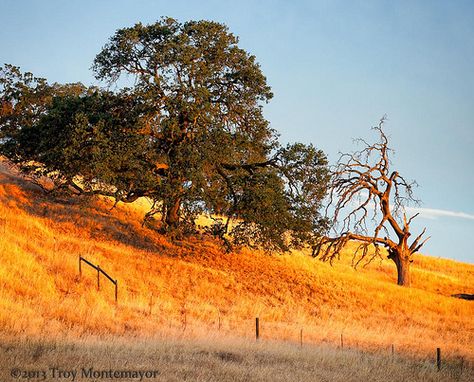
(438, 358)
(99, 270)
(342, 342)
(301, 337)
(257, 328)
(393, 350)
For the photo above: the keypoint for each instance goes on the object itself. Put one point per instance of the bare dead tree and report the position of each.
(364, 189)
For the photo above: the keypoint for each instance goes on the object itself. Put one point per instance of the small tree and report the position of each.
(363, 188)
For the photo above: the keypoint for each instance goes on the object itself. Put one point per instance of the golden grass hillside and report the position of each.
(192, 288)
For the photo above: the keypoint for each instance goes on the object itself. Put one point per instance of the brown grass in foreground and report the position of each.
(193, 287)
(218, 360)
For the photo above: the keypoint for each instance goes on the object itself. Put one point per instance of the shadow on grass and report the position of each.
(463, 296)
(89, 214)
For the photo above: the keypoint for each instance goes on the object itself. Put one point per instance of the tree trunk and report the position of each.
(172, 213)
(402, 261)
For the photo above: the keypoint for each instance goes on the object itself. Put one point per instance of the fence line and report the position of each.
(99, 271)
(438, 350)
(257, 319)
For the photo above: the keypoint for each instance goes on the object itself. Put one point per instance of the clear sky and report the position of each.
(335, 68)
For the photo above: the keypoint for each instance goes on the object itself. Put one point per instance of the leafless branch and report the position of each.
(363, 181)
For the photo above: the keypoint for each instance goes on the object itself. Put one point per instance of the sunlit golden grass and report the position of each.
(192, 288)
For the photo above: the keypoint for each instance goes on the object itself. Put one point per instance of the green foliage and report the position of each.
(190, 134)
(82, 138)
(95, 142)
(203, 94)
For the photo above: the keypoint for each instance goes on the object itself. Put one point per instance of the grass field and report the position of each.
(216, 360)
(192, 290)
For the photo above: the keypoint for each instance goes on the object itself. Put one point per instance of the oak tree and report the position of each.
(204, 95)
(188, 133)
(84, 140)
(366, 192)
(218, 153)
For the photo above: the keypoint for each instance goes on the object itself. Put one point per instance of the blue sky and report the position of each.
(335, 68)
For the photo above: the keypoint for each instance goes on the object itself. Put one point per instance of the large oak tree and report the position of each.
(204, 95)
(188, 132)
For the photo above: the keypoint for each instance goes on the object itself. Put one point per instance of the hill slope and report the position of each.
(193, 287)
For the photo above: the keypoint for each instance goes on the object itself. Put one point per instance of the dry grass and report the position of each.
(193, 287)
(220, 360)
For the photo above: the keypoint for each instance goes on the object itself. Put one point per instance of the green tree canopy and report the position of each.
(189, 133)
(204, 95)
(84, 139)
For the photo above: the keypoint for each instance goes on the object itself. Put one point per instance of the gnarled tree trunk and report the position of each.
(402, 261)
(174, 199)
(172, 213)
